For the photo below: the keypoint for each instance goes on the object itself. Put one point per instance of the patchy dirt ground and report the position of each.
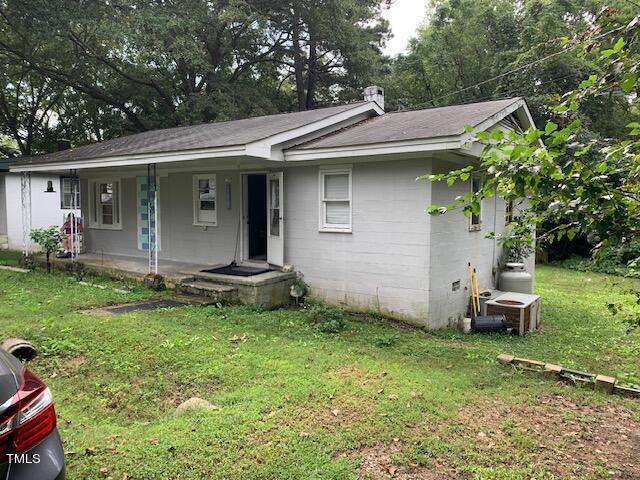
(559, 437)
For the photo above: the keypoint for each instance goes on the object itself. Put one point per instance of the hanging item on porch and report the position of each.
(142, 215)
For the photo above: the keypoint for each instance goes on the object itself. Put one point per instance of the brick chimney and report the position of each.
(63, 144)
(374, 94)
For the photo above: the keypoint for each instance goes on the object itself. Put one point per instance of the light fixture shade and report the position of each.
(49, 187)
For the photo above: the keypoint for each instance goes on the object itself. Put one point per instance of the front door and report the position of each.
(275, 223)
(256, 212)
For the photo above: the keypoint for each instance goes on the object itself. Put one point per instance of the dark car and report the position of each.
(30, 447)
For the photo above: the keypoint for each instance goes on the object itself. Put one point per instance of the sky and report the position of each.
(404, 17)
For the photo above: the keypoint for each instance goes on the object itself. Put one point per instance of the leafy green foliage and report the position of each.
(579, 184)
(327, 319)
(49, 238)
(563, 180)
(618, 259)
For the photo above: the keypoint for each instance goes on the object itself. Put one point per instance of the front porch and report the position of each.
(268, 289)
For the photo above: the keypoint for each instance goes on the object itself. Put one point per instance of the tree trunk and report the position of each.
(298, 63)
(312, 73)
(48, 262)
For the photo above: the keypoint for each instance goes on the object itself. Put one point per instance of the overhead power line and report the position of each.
(518, 69)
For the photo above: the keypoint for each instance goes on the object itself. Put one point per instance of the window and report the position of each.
(335, 200)
(274, 207)
(204, 200)
(67, 190)
(508, 214)
(476, 218)
(105, 203)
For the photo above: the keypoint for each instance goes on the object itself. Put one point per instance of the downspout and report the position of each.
(494, 267)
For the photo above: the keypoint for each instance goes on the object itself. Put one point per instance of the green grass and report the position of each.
(299, 403)
(9, 258)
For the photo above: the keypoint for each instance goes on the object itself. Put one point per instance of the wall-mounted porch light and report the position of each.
(49, 187)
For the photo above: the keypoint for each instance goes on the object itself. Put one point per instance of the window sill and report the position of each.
(334, 230)
(200, 224)
(105, 227)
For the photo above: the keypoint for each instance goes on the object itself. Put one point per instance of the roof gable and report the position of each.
(413, 125)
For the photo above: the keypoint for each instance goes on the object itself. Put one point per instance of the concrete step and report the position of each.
(214, 291)
(4, 242)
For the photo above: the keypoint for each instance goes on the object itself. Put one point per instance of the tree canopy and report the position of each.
(576, 182)
(89, 71)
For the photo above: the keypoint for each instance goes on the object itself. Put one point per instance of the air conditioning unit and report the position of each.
(522, 311)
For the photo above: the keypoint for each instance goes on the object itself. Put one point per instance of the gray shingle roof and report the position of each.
(209, 135)
(412, 125)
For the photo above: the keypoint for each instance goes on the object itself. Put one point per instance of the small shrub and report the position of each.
(49, 239)
(386, 341)
(155, 282)
(613, 260)
(28, 261)
(327, 319)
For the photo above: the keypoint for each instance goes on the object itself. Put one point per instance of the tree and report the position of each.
(333, 48)
(476, 50)
(27, 104)
(133, 65)
(49, 239)
(579, 184)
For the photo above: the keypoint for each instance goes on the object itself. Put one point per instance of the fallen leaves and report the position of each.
(238, 339)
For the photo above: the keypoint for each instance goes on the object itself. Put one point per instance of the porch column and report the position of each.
(76, 204)
(152, 217)
(25, 189)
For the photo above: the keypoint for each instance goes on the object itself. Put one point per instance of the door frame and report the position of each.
(244, 213)
(276, 244)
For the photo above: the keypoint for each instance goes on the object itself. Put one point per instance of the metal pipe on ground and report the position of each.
(19, 348)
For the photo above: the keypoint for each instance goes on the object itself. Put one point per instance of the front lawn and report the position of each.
(376, 400)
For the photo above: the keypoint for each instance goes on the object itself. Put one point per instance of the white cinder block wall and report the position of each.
(454, 245)
(45, 207)
(382, 265)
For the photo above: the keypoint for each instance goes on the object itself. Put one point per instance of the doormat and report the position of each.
(141, 306)
(238, 271)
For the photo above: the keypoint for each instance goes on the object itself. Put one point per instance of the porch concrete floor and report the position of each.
(135, 267)
(269, 289)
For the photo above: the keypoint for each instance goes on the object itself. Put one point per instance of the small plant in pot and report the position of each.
(518, 251)
(298, 288)
(514, 277)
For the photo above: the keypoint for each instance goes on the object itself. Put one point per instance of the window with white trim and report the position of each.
(67, 193)
(105, 203)
(475, 222)
(335, 200)
(205, 211)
